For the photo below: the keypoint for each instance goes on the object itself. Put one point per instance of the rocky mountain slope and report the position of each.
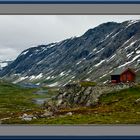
(4, 64)
(92, 56)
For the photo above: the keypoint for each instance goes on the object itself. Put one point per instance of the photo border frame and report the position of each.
(64, 7)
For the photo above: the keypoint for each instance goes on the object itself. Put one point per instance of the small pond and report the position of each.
(40, 92)
(29, 85)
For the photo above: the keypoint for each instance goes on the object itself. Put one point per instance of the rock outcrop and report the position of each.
(75, 95)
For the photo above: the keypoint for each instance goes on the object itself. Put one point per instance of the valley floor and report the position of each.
(121, 107)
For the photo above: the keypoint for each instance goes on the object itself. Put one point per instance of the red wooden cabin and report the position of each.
(120, 75)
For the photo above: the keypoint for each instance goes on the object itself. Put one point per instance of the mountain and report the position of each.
(92, 56)
(4, 63)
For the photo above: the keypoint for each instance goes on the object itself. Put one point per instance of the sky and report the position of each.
(19, 32)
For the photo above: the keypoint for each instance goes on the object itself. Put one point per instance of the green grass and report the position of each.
(113, 108)
(87, 83)
(79, 119)
(15, 100)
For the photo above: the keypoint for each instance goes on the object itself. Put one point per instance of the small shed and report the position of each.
(123, 75)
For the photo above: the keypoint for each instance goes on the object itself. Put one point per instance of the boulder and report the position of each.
(69, 114)
(47, 114)
(26, 117)
(137, 101)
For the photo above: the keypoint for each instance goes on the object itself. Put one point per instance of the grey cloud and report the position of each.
(5, 52)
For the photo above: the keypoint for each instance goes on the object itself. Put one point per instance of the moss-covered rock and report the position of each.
(76, 95)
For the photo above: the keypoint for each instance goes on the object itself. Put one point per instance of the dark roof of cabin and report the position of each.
(119, 71)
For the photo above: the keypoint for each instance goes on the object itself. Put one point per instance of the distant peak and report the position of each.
(102, 26)
(131, 21)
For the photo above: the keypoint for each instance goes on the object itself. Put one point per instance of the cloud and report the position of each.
(19, 32)
(5, 52)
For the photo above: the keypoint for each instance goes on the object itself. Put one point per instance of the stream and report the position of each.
(38, 101)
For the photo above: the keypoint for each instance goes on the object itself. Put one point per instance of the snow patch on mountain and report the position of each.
(20, 79)
(54, 84)
(131, 44)
(24, 52)
(116, 34)
(78, 62)
(62, 73)
(130, 54)
(52, 45)
(99, 50)
(138, 51)
(127, 41)
(99, 63)
(111, 57)
(129, 61)
(36, 77)
(131, 22)
(103, 76)
(106, 37)
(3, 64)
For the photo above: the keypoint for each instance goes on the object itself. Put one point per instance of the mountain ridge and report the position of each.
(92, 56)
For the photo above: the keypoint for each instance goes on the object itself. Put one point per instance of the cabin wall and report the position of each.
(127, 76)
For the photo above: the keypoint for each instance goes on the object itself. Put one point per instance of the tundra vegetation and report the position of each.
(115, 107)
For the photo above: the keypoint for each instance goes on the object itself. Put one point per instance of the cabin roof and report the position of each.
(119, 71)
